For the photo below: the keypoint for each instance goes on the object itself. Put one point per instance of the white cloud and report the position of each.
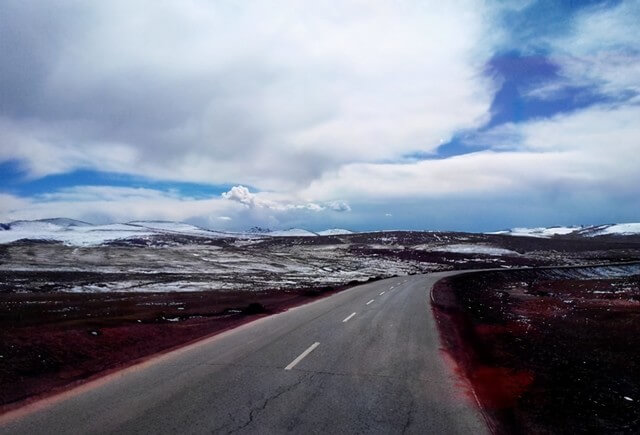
(10, 204)
(222, 92)
(49, 149)
(339, 205)
(596, 148)
(602, 49)
(279, 202)
(237, 209)
(314, 104)
(108, 204)
(240, 194)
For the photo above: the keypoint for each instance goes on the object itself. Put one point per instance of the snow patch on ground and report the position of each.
(76, 233)
(72, 235)
(293, 232)
(539, 232)
(618, 229)
(177, 227)
(627, 229)
(473, 249)
(334, 232)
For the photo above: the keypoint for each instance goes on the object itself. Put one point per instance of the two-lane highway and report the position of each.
(365, 360)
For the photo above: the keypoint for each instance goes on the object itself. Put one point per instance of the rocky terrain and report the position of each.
(548, 349)
(71, 256)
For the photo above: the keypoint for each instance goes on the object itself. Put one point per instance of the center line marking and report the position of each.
(381, 293)
(348, 317)
(370, 301)
(302, 355)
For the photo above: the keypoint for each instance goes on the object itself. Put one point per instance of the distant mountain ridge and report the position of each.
(624, 229)
(258, 230)
(335, 232)
(79, 233)
(66, 222)
(292, 232)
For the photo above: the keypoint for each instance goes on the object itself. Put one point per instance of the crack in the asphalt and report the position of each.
(407, 423)
(363, 375)
(266, 402)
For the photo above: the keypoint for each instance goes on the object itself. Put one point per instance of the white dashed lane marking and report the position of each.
(348, 317)
(302, 355)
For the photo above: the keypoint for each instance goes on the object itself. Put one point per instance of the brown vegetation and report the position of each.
(547, 352)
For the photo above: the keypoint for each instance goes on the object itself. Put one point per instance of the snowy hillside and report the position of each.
(539, 232)
(334, 232)
(293, 232)
(473, 249)
(299, 232)
(66, 222)
(627, 229)
(77, 233)
(69, 235)
(178, 228)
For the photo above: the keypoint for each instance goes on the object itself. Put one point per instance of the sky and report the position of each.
(398, 114)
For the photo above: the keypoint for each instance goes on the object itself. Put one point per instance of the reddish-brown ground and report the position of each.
(546, 355)
(53, 340)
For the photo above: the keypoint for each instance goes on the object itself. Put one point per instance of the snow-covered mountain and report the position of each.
(299, 232)
(178, 228)
(78, 233)
(292, 232)
(258, 230)
(539, 232)
(65, 222)
(334, 232)
(626, 229)
(55, 224)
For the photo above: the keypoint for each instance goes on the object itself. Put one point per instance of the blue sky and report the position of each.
(470, 115)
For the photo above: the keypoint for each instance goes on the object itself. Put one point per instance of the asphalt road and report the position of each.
(366, 360)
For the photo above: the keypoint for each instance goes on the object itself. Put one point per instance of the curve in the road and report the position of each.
(364, 360)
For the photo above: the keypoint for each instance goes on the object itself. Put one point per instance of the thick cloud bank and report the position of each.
(332, 112)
